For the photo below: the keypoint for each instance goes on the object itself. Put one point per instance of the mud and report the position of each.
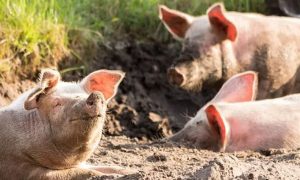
(147, 109)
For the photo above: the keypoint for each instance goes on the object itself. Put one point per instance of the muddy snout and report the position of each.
(94, 104)
(175, 77)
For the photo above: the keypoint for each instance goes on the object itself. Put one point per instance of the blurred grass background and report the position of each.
(36, 33)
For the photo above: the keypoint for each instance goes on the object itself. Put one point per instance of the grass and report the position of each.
(37, 33)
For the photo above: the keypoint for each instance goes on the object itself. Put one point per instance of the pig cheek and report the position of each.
(190, 134)
(212, 67)
(200, 137)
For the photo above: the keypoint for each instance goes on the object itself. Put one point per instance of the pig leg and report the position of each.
(72, 173)
(110, 169)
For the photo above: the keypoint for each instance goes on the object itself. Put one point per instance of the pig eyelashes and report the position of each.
(57, 103)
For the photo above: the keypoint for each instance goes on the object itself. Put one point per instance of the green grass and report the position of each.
(36, 33)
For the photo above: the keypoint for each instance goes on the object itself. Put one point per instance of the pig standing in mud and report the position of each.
(231, 121)
(220, 44)
(49, 131)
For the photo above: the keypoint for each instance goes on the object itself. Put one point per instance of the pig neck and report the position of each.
(236, 55)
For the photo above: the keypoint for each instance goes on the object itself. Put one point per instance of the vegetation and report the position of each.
(40, 33)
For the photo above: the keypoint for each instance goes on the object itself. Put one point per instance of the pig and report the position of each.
(221, 44)
(233, 121)
(52, 129)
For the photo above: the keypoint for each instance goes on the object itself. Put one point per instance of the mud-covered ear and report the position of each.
(176, 22)
(104, 81)
(220, 23)
(218, 125)
(241, 87)
(47, 82)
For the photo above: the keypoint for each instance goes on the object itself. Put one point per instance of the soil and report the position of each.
(156, 160)
(147, 108)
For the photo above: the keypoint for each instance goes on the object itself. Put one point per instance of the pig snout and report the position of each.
(175, 76)
(93, 104)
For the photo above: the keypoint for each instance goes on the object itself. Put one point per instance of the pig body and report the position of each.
(51, 130)
(232, 121)
(220, 44)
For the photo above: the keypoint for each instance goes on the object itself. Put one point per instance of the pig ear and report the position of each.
(220, 23)
(48, 81)
(105, 81)
(218, 125)
(239, 88)
(176, 22)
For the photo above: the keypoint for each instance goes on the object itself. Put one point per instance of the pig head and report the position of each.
(232, 121)
(220, 44)
(55, 126)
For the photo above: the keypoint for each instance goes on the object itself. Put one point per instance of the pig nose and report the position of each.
(94, 99)
(175, 77)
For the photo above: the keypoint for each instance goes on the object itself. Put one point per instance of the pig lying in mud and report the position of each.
(232, 121)
(50, 130)
(221, 44)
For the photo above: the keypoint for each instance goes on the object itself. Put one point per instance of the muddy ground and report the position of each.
(147, 109)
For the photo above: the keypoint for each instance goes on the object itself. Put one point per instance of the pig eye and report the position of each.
(57, 103)
(198, 122)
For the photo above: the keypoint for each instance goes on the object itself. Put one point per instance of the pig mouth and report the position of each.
(86, 118)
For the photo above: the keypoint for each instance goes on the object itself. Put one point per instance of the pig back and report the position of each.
(269, 45)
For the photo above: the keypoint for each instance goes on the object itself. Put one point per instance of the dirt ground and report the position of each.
(147, 109)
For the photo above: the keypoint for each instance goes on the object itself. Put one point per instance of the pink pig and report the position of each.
(232, 121)
(221, 44)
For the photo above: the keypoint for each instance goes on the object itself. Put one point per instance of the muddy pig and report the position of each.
(232, 121)
(220, 44)
(52, 129)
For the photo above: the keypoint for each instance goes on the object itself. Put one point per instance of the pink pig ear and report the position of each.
(176, 22)
(105, 81)
(49, 79)
(218, 125)
(239, 88)
(220, 23)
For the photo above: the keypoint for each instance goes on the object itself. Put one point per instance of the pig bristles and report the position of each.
(185, 114)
